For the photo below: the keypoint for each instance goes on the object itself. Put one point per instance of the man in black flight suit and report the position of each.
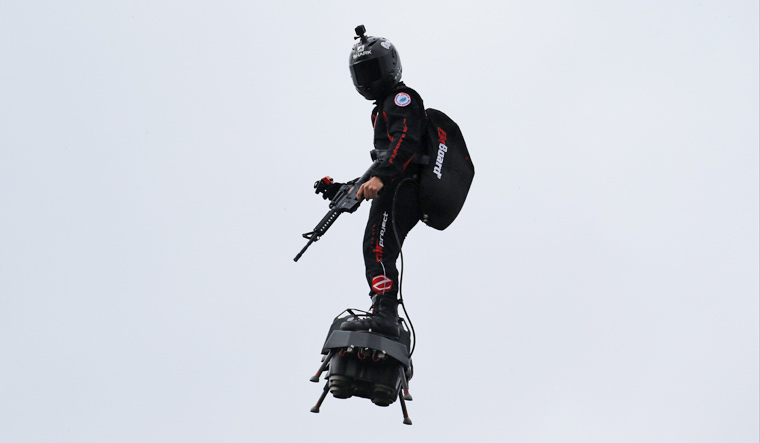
(398, 120)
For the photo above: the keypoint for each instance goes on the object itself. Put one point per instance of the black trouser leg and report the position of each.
(381, 250)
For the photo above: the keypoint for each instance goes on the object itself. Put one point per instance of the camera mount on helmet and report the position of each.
(360, 30)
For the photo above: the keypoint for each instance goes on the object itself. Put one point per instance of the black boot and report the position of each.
(383, 320)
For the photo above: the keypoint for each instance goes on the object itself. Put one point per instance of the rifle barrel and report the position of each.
(311, 240)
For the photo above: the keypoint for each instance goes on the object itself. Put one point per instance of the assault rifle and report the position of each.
(344, 200)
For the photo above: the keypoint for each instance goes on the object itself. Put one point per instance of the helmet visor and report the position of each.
(369, 71)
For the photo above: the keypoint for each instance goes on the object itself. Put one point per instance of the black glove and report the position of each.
(327, 187)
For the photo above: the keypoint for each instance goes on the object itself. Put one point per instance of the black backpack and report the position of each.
(446, 176)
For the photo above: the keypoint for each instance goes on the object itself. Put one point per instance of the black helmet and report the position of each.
(374, 64)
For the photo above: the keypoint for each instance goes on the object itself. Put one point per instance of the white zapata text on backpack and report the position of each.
(442, 149)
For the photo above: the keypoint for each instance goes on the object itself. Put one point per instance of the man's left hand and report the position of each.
(370, 189)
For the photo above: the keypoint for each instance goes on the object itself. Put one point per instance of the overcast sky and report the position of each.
(156, 169)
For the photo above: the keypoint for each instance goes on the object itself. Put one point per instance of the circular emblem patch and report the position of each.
(381, 283)
(402, 99)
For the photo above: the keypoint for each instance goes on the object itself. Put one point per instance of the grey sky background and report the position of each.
(156, 164)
